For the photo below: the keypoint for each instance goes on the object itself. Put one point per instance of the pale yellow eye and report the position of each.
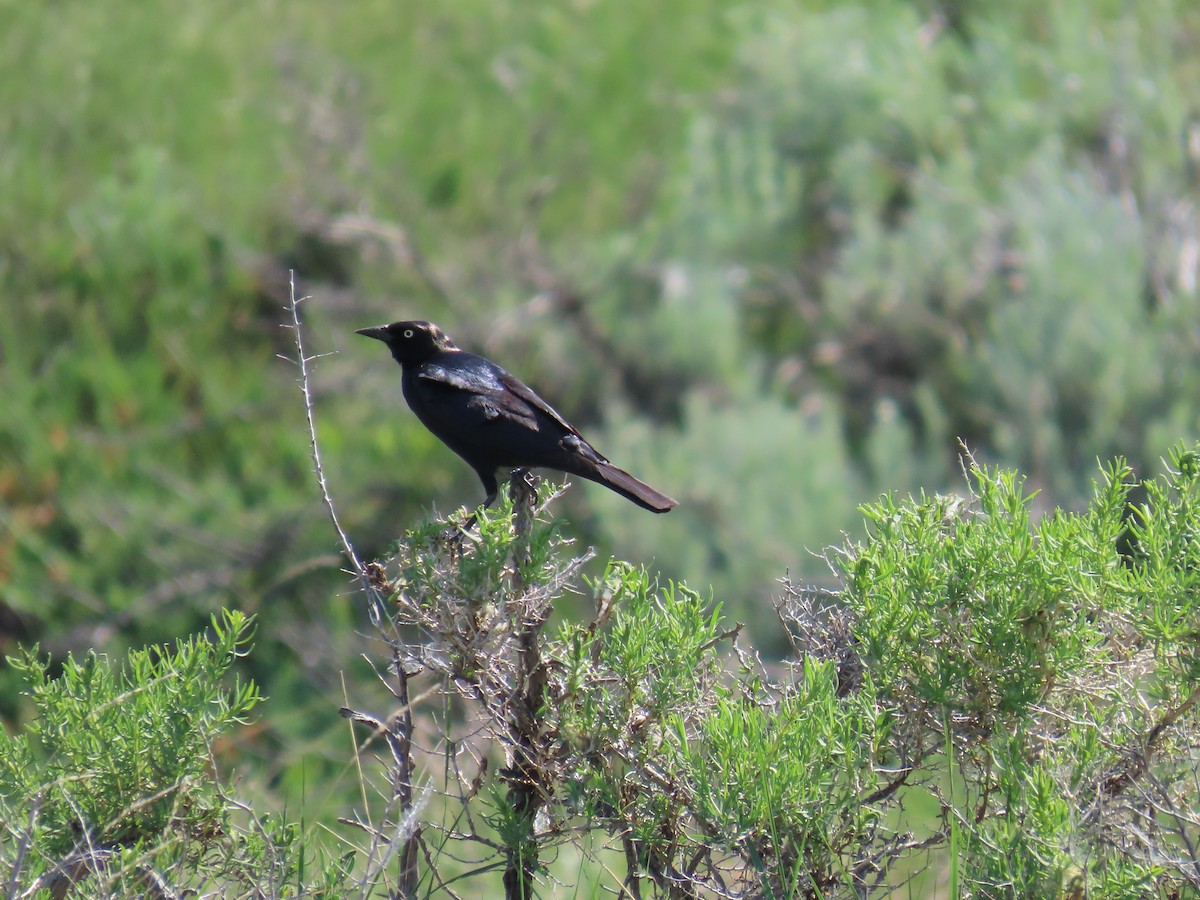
(408, 332)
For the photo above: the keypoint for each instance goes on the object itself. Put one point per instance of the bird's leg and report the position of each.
(493, 490)
(491, 486)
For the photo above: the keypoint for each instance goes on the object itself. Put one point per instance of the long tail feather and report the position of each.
(627, 486)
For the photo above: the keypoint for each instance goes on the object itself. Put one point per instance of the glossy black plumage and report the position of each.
(491, 418)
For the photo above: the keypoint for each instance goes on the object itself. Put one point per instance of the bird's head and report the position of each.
(410, 342)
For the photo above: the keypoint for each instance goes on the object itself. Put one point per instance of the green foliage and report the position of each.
(116, 752)
(431, 567)
(773, 258)
(787, 781)
(685, 765)
(164, 171)
(973, 610)
(1163, 580)
(1054, 664)
(656, 656)
(621, 691)
(112, 782)
(980, 205)
(635, 723)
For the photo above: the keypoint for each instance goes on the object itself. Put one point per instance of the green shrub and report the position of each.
(110, 789)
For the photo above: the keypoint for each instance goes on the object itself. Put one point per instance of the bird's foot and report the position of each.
(522, 487)
(461, 529)
(457, 538)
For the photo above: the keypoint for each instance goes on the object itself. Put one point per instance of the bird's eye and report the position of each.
(408, 332)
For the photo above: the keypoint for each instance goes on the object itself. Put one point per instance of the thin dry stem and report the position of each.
(302, 360)
(399, 727)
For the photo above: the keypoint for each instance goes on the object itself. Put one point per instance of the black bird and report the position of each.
(492, 419)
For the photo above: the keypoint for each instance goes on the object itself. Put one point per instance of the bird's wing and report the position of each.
(474, 379)
(501, 393)
(515, 387)
(571, 441)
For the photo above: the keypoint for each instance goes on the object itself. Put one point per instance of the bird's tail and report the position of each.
(627, 486)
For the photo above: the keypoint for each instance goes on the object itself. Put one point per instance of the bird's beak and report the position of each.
(380, 332)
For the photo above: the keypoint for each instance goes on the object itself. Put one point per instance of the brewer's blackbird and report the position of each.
(492, 419)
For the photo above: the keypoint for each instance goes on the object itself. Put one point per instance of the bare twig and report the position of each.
(23, 843)
(399, 728)
(1139, 763)
(302, 360)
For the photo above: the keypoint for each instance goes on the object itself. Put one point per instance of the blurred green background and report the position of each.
(774, 258)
